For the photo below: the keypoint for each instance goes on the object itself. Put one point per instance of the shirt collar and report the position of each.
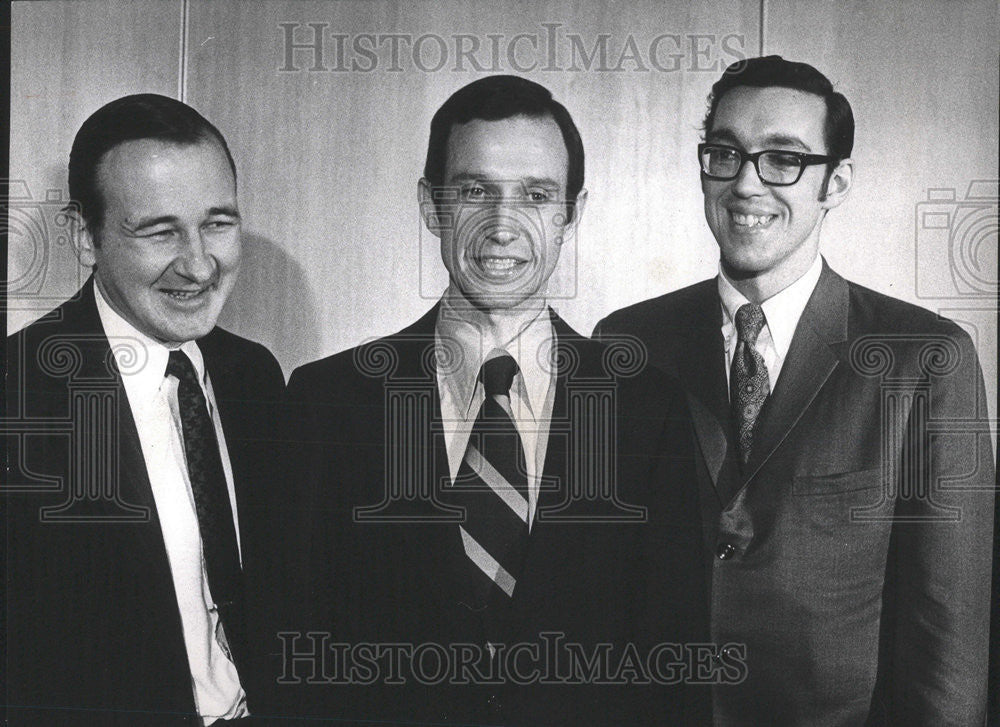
(467, 330)
(781, 311)
(141, 360)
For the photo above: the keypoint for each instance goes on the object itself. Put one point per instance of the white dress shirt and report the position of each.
(152, 397)
(532, 391)
(781, 316)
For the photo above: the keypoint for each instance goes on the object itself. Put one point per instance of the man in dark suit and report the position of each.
(846, 469)
(502, 516)
(130, 497)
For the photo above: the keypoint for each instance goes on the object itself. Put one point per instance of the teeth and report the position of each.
(751, 220)
(183, 294)
(499, 264)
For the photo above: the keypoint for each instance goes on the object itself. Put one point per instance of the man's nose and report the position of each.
(506, 212)
(747, 182)
(503, 234)
(196, 262)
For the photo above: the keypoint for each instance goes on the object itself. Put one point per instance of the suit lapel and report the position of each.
(98, 365)
(809, 363)
(417, 356)
(439, 541)
(134, 489)
(701, 366)
(547, 549)
(229, 386)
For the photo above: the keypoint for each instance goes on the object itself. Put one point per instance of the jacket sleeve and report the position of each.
(936, 660)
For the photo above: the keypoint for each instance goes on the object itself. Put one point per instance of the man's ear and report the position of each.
(838, 184)
(570, 228)
(82, 238)
(428, 210)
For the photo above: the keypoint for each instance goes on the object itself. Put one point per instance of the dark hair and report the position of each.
(767, 71)
(142, 116)
(503, 97)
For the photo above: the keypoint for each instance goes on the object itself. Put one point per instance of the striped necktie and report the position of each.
(492, 486)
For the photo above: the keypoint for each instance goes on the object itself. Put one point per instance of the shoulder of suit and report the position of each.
(64, 318)
(874, 312)
(226, 341)
(356, 371)
(223, 344)
(663, 310)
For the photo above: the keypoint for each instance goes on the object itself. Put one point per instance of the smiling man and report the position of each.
(130, 505)
(846, 468)
(494, 501)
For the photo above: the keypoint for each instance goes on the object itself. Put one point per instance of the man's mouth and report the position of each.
(751, 221)
(182, 295)
(500, 267)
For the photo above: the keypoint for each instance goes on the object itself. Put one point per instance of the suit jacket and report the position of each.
(93, 628)
(851, 558)
(386, 563)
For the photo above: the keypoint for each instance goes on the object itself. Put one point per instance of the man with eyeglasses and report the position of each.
(846, 467)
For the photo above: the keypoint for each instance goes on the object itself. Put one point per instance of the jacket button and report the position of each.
(494, 705)
(725, 551)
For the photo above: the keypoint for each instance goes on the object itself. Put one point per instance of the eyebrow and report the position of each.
(486, 178)
(224, 210)
(144, 222)
(768, 141)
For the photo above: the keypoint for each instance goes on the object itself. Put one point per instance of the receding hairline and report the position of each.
(543, 116)
(206, 140)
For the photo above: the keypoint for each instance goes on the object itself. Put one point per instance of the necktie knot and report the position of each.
(180, 366)
(497, 375)
(749, 322)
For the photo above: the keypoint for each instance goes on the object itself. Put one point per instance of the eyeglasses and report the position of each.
(775, 168)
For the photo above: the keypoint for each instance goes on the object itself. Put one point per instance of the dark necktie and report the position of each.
(492, 486)
(211, 495)
(748, 382)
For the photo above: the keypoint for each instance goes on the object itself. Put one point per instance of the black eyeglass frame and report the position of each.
(805, 160)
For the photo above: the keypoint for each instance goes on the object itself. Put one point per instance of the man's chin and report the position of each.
(744, 265)
(188, 331)
(496, 301)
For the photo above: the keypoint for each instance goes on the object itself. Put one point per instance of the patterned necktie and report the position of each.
(748, 382)
(211, 495)
(492, 486)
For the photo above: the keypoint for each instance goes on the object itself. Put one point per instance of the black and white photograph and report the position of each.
(500, 363)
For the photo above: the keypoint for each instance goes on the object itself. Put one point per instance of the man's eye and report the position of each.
(786, 161)
(474, 192)
(159, 234)
(539, 196)
(221, 225)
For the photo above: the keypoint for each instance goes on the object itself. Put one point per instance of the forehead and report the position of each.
(756, 118)
(136, 170)
(514, 148)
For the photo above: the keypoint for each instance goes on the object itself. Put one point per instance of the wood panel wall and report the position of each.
(329, 159)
